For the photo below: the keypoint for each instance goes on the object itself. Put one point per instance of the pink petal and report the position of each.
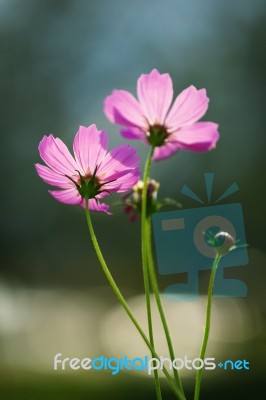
(57, 156)
(188, 108)
(201, 136)
(124, 182)
(96, 206)
(155, 93)
(118, 161)
(90, 146)
(53, 178)
(67, 196)
(122, 108)
(133, 133)
(165, 151)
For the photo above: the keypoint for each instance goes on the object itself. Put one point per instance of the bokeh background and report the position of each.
(59, 59)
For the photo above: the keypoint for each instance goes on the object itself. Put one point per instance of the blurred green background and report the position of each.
(59, 59)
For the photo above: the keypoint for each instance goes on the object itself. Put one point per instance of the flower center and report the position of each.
(157, 135)
(89, 186)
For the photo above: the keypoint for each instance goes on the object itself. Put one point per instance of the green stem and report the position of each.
(144, 263)
(207, 325)
(123, 302)
(155, 289)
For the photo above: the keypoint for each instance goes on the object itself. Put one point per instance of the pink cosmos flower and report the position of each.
(152, 120)
(93, 173)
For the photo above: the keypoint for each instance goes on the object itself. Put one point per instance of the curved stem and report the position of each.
(155, 289)
(123, 302)
(207, 325)
(144, 261)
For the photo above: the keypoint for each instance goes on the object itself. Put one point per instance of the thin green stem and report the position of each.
(155, 289)
(207, 325)
(145, 264)
(123, 302)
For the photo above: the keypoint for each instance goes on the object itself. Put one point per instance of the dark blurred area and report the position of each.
(59, 59)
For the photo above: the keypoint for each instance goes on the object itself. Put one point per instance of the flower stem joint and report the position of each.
(89, 187)
(157, 135)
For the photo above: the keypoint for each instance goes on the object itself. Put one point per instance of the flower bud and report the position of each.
(133, 200)
(223, 243)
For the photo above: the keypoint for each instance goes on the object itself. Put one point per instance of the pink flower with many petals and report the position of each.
(93, 173)
(152, 120)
